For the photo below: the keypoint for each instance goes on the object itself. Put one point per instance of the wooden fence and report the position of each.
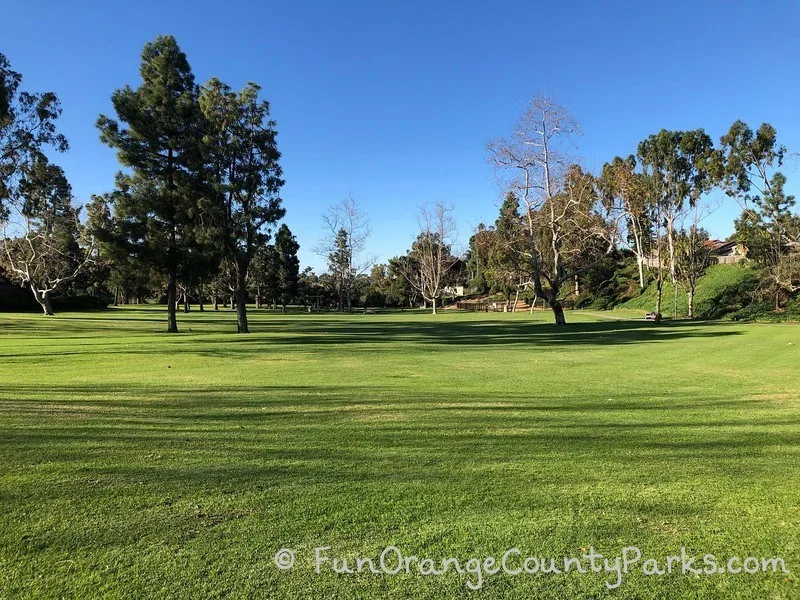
(484, 306)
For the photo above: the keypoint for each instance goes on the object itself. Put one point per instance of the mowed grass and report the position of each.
(139, 465)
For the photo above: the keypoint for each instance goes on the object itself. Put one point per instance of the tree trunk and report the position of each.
(637, 239)
(660, 273)
(48, 306)
(691, 303)
(172, 298)
(433, 305)
(673, 273)
(675, 300)
(186, 307)
(200, 299)
(216, 302)
(640, 260)
(659, 290)
(241, 301)
(284, 308)
(659, 281)
(43, 298)
(558, 312)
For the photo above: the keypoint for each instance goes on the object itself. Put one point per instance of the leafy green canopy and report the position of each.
(27, 129)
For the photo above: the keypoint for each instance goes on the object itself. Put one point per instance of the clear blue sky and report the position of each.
(394, 102)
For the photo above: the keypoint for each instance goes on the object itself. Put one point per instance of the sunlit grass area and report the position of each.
(136, 464)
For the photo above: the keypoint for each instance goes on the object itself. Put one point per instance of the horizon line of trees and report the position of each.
(195, 209)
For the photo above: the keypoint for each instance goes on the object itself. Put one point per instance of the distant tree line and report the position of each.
(195, 213)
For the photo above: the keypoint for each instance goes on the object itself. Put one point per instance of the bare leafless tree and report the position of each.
(693, 252)
(38, 258)
(631, 194)
(347, 231)
(567, 230)
(431, 258)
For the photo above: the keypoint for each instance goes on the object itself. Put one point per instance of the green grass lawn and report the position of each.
(135, 464)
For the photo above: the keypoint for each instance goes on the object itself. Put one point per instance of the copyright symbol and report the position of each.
(284, 559)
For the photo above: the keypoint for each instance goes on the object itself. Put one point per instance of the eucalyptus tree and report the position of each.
(749, 161)
(566, 230)
(683, 166)
(161, 198)
(766, 226)
(693, 257)
(631, 192)
(27, 129)
(243, 160)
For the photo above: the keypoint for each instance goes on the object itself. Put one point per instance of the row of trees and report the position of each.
(193, 208)
(200, 192)
(422, 274)
(196, 206)
(559, 222)
(559, 225)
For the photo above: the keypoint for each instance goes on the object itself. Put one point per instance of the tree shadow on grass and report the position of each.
(312, 333)
(254, 417)
(179, 459)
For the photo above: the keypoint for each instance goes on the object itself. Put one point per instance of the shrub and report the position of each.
(765, 311)
(80, 303)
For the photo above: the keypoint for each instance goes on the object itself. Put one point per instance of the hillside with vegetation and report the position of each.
(721, 291)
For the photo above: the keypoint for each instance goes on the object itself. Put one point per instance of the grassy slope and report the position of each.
(764, 312)
(722, 290)
(140, 465)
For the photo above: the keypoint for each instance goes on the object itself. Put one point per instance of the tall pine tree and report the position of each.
(158, 138)
(286, 248)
